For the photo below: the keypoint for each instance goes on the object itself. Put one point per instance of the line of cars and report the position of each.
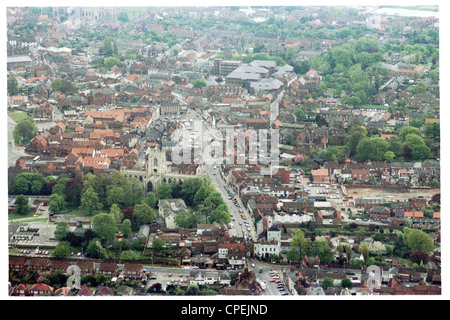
(23, 251)
(276, 279)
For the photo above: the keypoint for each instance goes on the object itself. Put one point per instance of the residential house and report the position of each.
(133, 271)
(111, 270)
(41, 289)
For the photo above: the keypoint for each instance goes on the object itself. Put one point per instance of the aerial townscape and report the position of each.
(223, 151)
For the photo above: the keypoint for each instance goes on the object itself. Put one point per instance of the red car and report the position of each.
(170, 275)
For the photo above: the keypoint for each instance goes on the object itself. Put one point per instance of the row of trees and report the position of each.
(414, 244)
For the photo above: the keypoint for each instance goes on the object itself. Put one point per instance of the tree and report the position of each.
(213, 200)
(419, 256)
(408, 130)
(62, 250)
(57, 84)
(371, 149)
(321, 248)
(354, 137)
(378, 248)
(327, 282)
(24, 131)
(115, 195)
(200, 195)
(157, 244)
(300, 114)
(116, 213)
(220, 214)
(421, 152)
(104, 226)
(151, 200)
(300, 243)
(111, 62)
(348, 252)
(199, 83)
(13, 86)
(364, 249)
(56, 203)
(346, 283)
(126, 228)
(89, 201)
(61, 231)
(433, 130)
(164, 191)
(143, 214)
(293, 255)
(22, 206)
(123, 16)
(389, 156)
(73, 189)
(95, 250)
(417, 239)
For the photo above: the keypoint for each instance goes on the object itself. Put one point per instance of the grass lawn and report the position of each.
(13, 216)
(18, 115)
(373, 106)
(81, 213)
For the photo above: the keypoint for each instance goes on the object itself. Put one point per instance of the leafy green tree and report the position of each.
(90, 201)
(186, 220)
(220, 214)
(22, 206)
(201, 195)
(199, 83)
(115, 195)
(151, 200)
(300, 114)
(214, 200)
(417, 239)
(61, 231)
(364, 250)
(111, 62)
(408, 130)
(354, 137)
(73, 189)
(421, 152)
(57, 84)
(433, 130)
(96, 250)
(56, 203)
(389, 156)
(24, 131)
(157, 244)
(301, 244)
(395, 145)
(348, 252)
(62, 250)
(293, 254)
(21, 185)
(346, 283)
(327, 282)
(143, 214)
(116, 213)
(13, 86)
(123, 16)
(164, 191)
(321, 248)
(371, 149)
(104, 226)
(126, 228)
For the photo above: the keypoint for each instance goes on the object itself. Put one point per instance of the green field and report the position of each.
(18, 115)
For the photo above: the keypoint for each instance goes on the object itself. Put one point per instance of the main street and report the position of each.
(14, 152)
